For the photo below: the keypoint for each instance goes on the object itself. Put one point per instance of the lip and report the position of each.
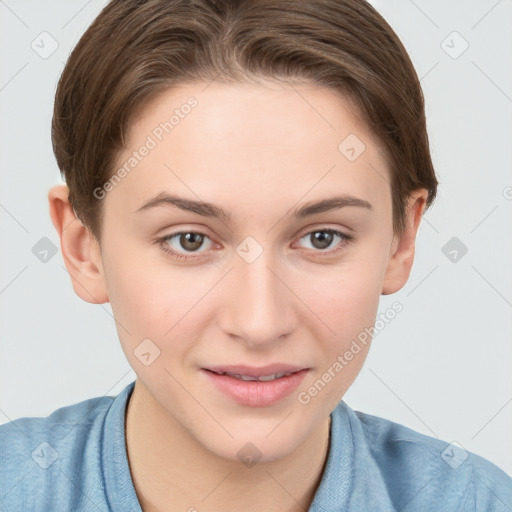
(256, 371)
(256, 393)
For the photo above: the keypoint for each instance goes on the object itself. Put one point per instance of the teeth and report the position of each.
(242, 377)
(271, 377)
(261, 378)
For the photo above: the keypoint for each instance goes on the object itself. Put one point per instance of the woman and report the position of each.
(244, 179)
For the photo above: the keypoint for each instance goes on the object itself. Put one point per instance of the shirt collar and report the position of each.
(121, 495)
(352, 479)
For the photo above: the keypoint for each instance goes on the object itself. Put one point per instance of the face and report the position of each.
(271, 279)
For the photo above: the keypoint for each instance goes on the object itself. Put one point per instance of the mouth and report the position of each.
(265, 373)
(256, 387)
(261, 378)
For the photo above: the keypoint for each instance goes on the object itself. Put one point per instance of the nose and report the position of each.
(258, 308)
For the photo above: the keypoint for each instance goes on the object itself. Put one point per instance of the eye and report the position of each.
(183, 244)
(184, 241)
(322, 239)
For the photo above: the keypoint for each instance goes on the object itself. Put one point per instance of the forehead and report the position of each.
(264, 141)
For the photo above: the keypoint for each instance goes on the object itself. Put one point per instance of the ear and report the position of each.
(402, 249)
(80, 250)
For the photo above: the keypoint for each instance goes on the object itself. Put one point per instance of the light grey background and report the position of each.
(442, 367)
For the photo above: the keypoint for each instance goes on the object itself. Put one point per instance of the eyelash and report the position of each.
(346, 239)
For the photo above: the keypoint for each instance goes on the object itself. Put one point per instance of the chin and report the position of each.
(249, 446)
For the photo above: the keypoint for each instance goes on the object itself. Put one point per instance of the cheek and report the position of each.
(347, 303)
(148, 305)
(152, 300)
(139, 286)
(346, 297)
(145, 307)
(140, 295)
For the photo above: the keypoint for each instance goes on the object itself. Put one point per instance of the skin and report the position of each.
(258, 151)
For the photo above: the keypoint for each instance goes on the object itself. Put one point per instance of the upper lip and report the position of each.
(255, 371)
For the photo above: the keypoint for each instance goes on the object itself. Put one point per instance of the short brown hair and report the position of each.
(135, 49)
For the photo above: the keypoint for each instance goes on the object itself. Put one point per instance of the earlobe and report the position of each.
(402, 249)
(80, 250)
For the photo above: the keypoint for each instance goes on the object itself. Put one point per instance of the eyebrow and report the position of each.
(210, 210)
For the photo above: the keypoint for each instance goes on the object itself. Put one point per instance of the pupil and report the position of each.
(188, 241)
(324, 238)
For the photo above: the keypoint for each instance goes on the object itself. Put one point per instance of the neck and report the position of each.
(171, 470)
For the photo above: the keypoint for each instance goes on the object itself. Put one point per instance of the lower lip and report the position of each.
(256, 393)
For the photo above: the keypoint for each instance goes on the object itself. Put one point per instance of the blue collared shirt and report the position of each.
(75, 460)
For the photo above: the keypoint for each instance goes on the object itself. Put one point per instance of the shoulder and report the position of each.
(42, 454)
(428, 471)
(70, 423)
